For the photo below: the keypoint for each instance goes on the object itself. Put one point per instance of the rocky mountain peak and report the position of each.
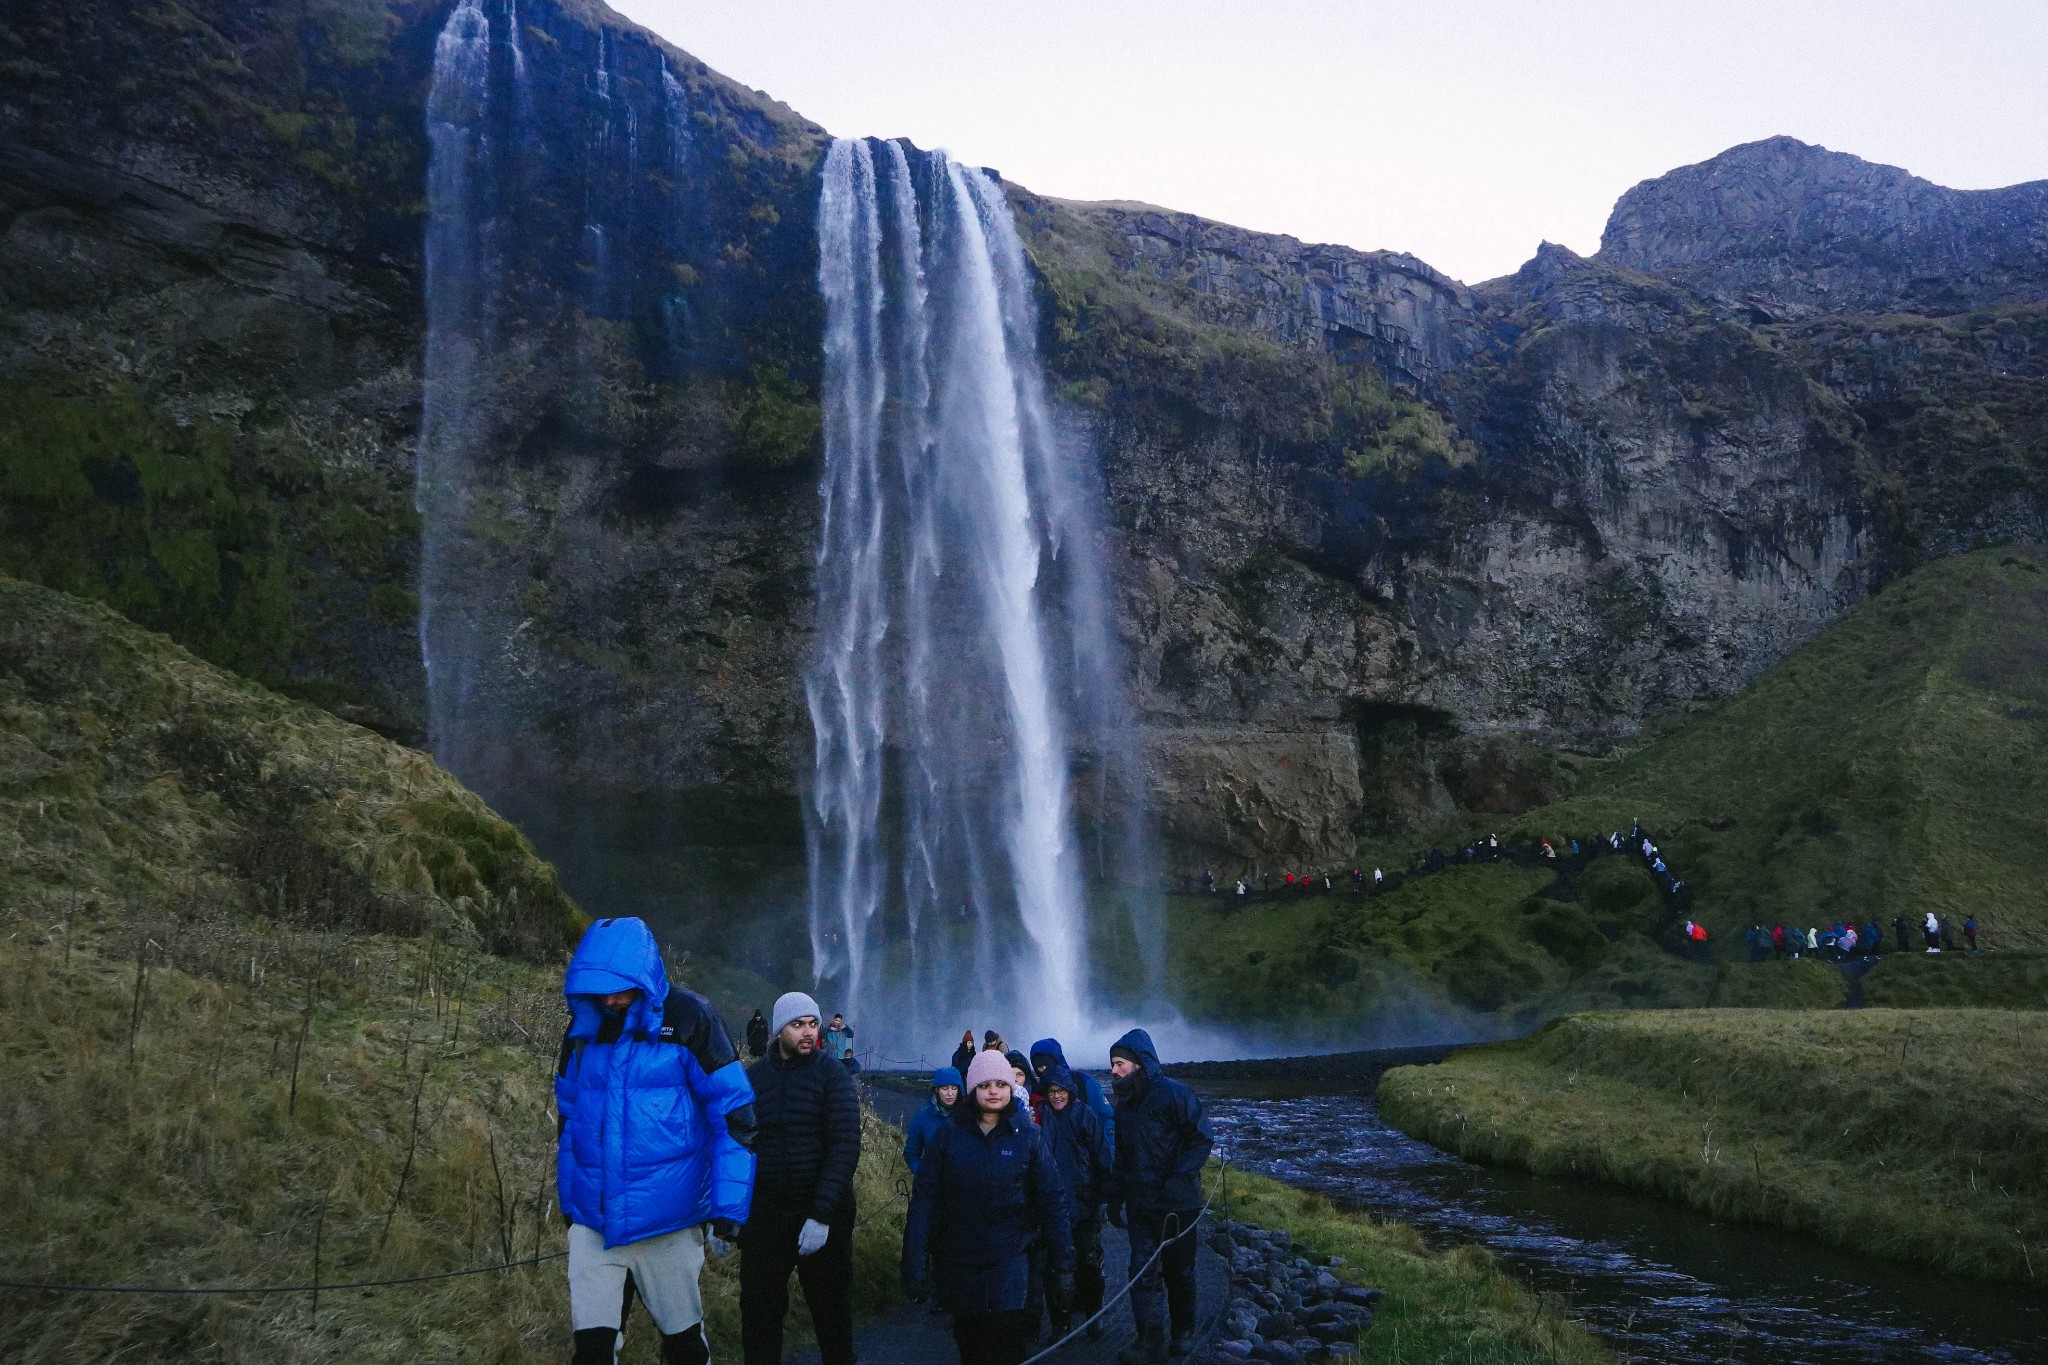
(1799, 230)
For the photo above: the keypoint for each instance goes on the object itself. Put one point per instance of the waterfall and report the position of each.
(961, 627)
(458, 292)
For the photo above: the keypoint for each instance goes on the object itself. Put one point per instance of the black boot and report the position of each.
(595, 1346)
(1148, 1349)
(1183, 1343)
(686, 1347)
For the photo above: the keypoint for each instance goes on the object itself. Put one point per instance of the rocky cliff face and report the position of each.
(1793, 230)
(1381, 542)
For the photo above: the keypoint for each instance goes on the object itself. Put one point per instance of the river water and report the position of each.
(1656, 1281)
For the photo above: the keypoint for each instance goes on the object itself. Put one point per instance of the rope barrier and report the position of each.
(278, 1288)
(1222, 1175)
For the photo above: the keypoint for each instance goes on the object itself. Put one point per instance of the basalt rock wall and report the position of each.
(1381, 543)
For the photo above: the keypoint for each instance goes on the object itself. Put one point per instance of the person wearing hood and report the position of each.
(946, 1082)
(988, 1194)
(1024, 1081)
(1078, 1140)
(1047, 1053)
(757, 1034)
(808, 1144)
(655, 1138)
(1162, 1143)
(963, 1055)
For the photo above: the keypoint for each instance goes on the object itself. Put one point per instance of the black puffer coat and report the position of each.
(807, 1136)
(1162, 1136)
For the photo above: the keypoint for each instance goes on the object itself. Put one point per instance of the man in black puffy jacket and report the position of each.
(806, 1146)
(1162, 1143)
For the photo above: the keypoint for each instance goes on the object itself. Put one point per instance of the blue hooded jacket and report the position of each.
(657, 1116)
(1091, 1089)
(925, 1122)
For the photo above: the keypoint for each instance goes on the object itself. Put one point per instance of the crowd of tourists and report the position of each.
(672, 1146)
(1843, 940)
(1569, 854)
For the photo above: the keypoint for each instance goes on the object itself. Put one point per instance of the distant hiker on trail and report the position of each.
(808, 1145)
(1079, 1140)
(1047, 1053)
(1873, 939)
(963, 1055)
(1932, 931)
(838, 1036)
(1162, 1143)
(926, 1121)
(757, 1034)
(656, 1124)
(987, 1192)
(1970, 932)
(1902, 934)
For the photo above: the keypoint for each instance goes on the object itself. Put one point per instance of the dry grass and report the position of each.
(240, 1128)
(1916, 1135)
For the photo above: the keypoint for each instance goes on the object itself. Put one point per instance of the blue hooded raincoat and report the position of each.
(657, 1115)
(1090, 1092)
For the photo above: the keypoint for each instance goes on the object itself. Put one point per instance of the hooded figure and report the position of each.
(925, 1122)
(1028, 1087)
(988, 1194)
(1047, 1053)
(1078, 1140)
(655, 1138)
(1162, 1143)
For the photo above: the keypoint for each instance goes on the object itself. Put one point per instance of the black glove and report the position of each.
(725, 1230)
(1116, 1215)
(916, 1288)
(1063, 1292)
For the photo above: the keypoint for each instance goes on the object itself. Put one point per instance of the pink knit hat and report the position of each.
(990, 1066)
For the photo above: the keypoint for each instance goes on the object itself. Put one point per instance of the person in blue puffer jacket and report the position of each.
(654, 1143)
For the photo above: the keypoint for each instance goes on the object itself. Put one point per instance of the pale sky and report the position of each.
(1460, 130)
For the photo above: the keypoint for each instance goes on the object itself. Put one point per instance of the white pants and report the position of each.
(664, 1271)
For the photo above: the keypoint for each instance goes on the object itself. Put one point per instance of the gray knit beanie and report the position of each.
(790, 1007)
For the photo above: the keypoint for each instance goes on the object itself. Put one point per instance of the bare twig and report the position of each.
(412, 1142)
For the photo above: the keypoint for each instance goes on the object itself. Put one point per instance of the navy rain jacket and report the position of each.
(981, 1203)
(1076, 1138)
(926, 1121)
(657, 1118)
(1091, 1089)
(1162, 1136)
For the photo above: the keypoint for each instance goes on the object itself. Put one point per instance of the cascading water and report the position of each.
(962, 637)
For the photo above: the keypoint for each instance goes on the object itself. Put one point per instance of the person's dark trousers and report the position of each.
(1165, 1294)
(1087, 1268)
(767, 1256)
(993, 1338)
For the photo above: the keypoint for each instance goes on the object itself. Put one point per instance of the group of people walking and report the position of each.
(671, 1147)
(1842, 940)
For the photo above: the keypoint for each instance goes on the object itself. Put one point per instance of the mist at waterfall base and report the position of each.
(965, 680)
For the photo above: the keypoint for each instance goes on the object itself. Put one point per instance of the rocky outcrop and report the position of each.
(1792, 230)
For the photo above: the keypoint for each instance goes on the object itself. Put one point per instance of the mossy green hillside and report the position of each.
(2014, 981)
(131, 769)
(1896, 765)
(1457, 1305)
(1912, 1134)
(1474, 946)
(205, 1098)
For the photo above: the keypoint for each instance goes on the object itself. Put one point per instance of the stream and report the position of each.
(1656, 1281)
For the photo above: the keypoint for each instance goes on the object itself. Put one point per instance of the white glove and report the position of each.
(812, 1238)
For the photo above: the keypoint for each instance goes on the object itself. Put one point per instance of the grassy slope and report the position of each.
(191, 1164)
(131, 770)
(1895, 765)
(1919, 1135)
(1899, 763)
(1454, 1306)
(1472, 947)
